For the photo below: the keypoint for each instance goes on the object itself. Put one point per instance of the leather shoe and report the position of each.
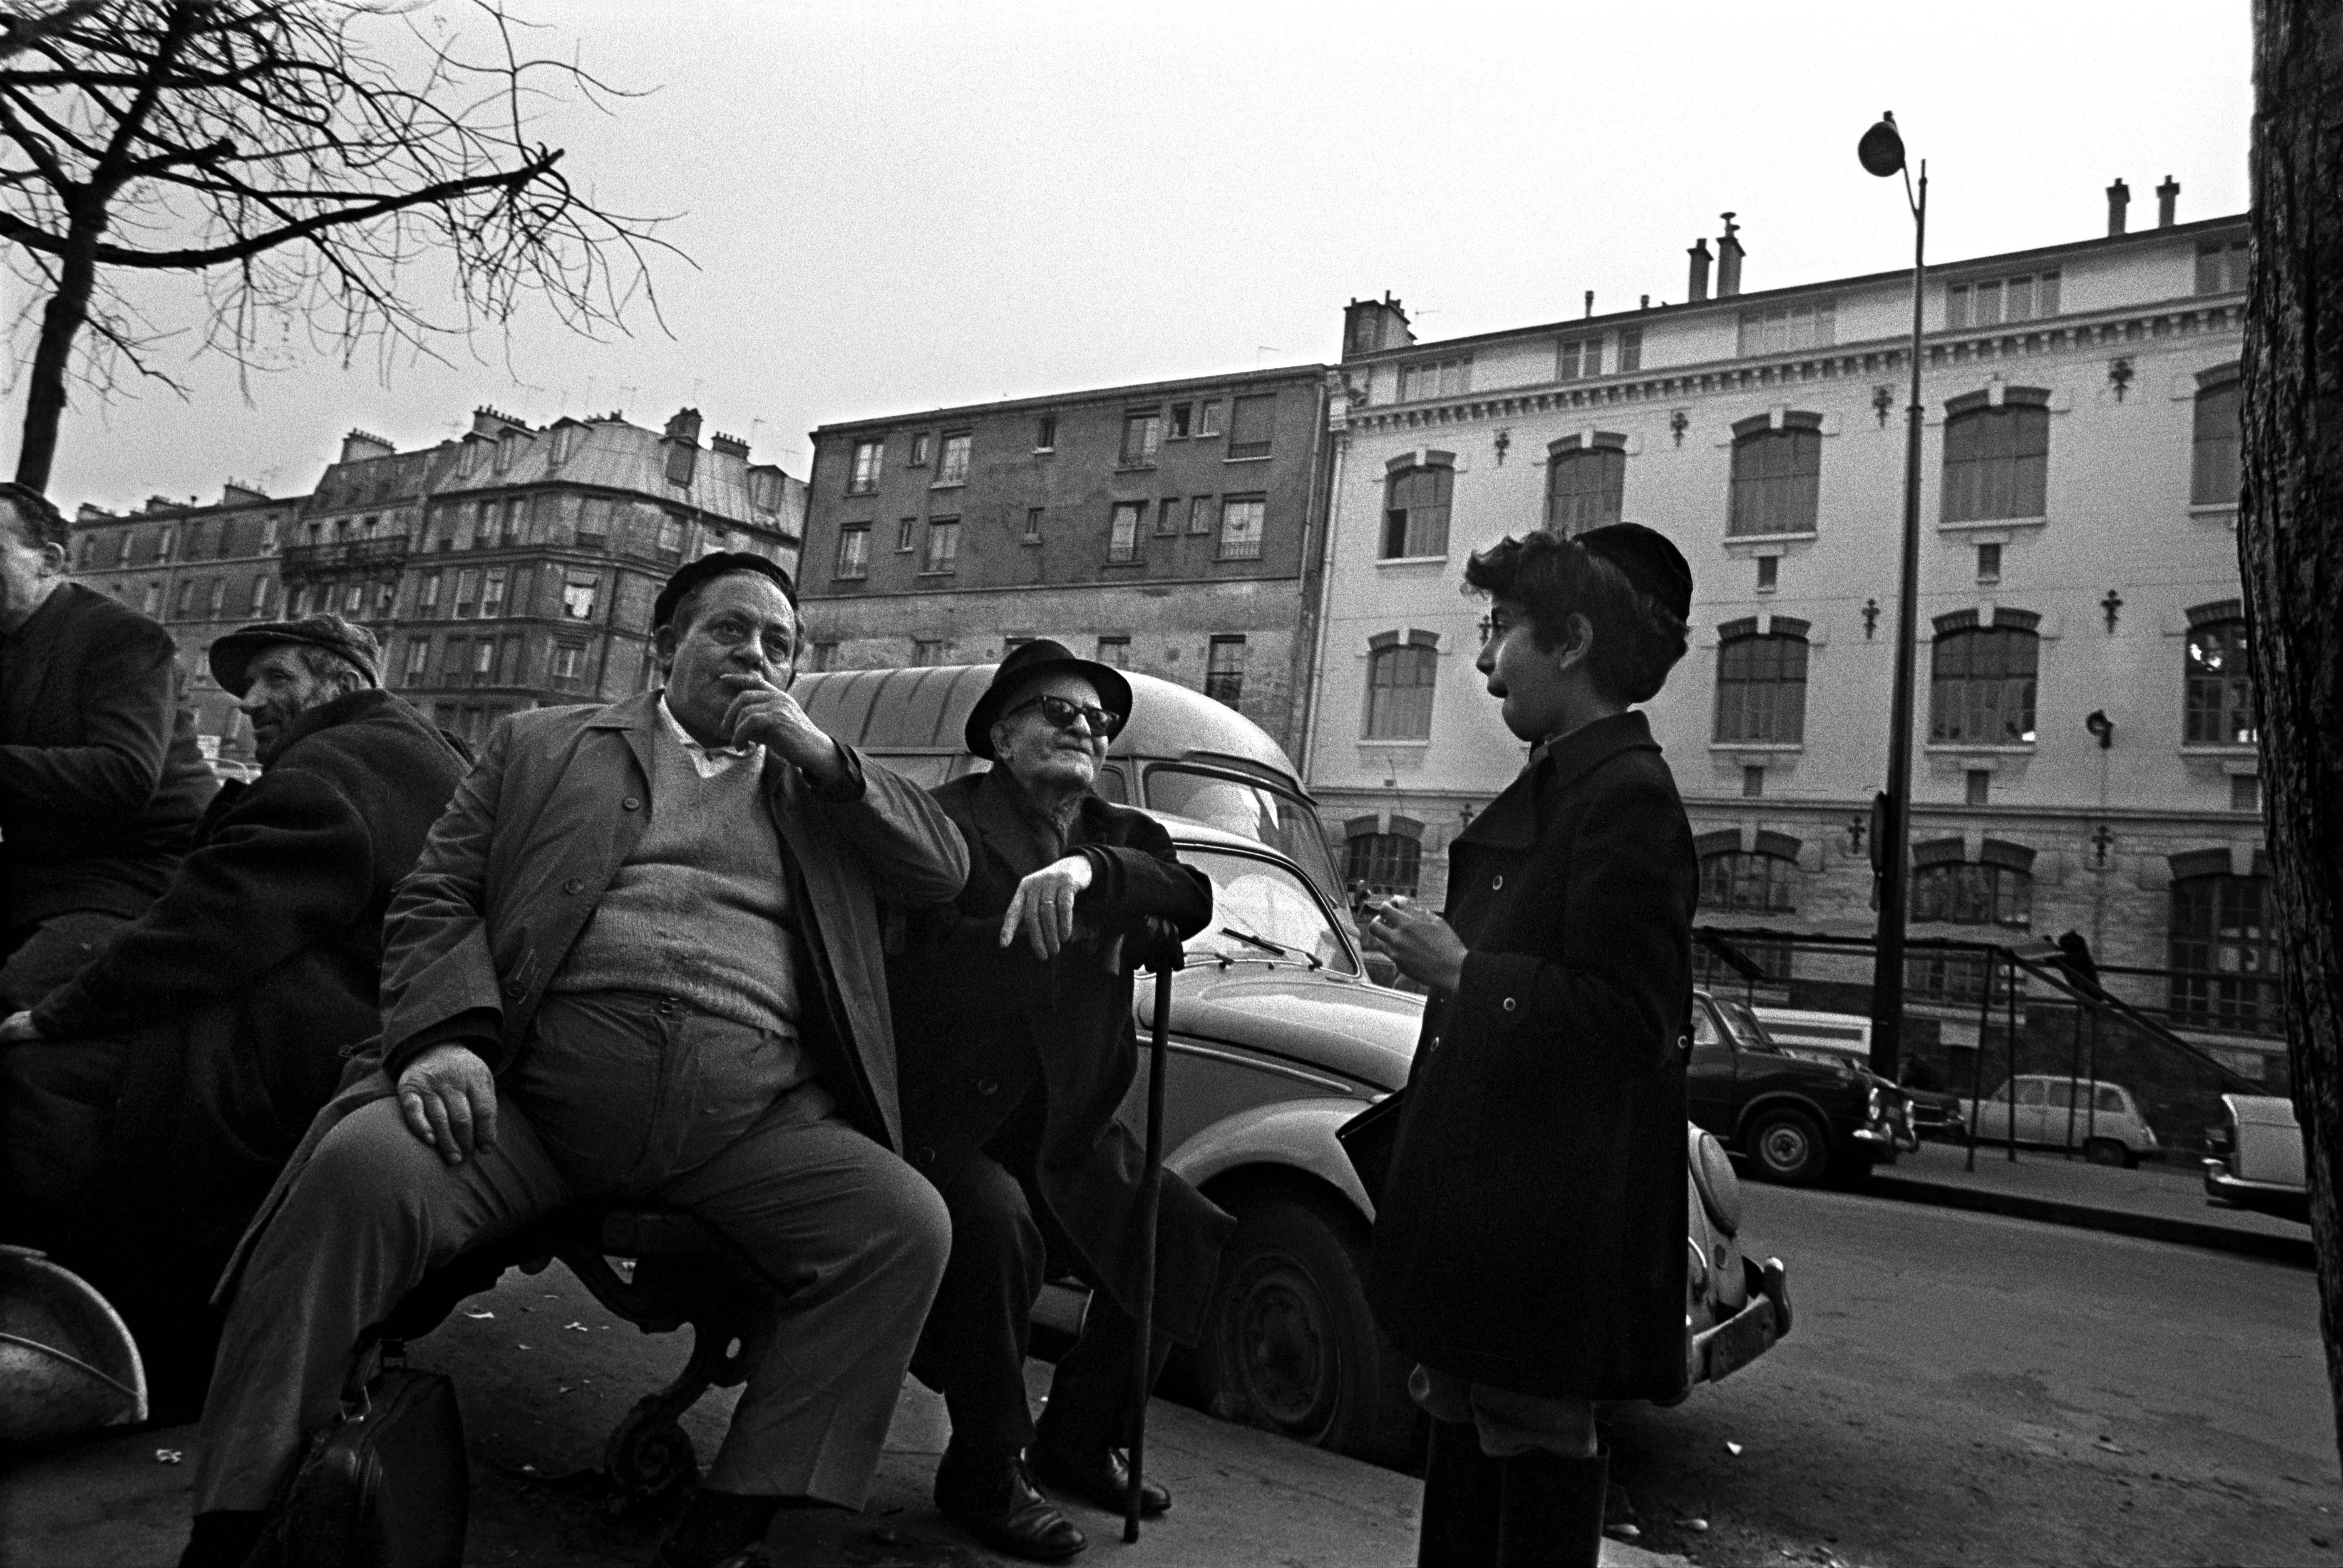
(996, 1503)
(1100, 1477)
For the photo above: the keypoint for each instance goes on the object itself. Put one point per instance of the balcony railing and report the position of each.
(298, 562)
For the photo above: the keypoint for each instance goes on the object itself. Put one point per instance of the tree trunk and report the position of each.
(45, 383)
(2291, 555)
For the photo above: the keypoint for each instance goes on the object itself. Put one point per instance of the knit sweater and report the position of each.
(701, 908)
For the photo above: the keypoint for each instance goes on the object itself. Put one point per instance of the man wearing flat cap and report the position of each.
(1013, 1008)
(149, 1102)
(639, 960)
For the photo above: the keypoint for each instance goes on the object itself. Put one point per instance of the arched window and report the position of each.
(1777, 475)
(1415, 506)
(1761, 681)
(1996, 460)
(1981, 690)
(2213, 463)
(2221, 688)
(1734, 880)
(1996, 889)
(1400, 679)
(1585, 484)
(1382, 863)
(2225, 959)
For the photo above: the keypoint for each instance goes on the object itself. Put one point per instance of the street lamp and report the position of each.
(1881, 153)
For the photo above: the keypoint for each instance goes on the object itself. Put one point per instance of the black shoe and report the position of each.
(996, 1503)
(1552, 1516)
(1100, 1477)
(1463, 1489)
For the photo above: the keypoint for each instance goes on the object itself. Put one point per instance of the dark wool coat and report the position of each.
(984, 1031)
(1531, 1233)
(101, 782)
(242, 987)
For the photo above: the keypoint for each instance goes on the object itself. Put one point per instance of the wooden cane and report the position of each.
(1150, 1200)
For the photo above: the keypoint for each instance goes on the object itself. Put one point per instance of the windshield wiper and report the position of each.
(1265, 945)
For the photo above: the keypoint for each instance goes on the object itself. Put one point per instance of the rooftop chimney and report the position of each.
(684, 425)
(1696, 288)
(731, 445)
(235, 490)
(494, 422)
(2119, 198)
(358, 446)
(1369, 325)
(2167, 200)
(91, 513)
(1590, 302)
(1729, 260)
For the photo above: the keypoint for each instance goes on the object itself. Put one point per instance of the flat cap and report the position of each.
(1648, 560)
(708, 568)
(231, 655)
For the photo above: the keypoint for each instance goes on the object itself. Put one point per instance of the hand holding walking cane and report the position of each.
(1163, 959)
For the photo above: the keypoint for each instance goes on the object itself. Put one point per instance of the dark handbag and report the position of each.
(1368, 1139)
(387, 1487)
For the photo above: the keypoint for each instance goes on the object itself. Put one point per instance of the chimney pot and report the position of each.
(2168, 201)
(2119, 198)
(1590, 302)
(1697, 286)
(1728, 259)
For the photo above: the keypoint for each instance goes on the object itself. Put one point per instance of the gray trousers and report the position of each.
(620, 1097)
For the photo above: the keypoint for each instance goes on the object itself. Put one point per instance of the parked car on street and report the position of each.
(1797, 1118)
(2258, 1158)
(1277, 1038)
(1846, 1038)
(2099, 1118)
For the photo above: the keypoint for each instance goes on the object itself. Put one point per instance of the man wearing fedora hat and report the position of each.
(149, 1100)
(639, 960)
(1014, 1011)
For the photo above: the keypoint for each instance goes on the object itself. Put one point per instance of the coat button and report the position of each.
(988, 1087)
(631, 803)
(515, 989)
(1508, 1004)
(1436, 1043)
(574, 885)
(926, 1156)
(1496, 882)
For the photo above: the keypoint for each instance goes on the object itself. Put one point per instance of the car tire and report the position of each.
(1788, 1147)
(2107, 1152)
(1289, 1345)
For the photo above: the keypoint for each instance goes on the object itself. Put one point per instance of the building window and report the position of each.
(920, 450)
(942, 557)
(82, 550)
(1382, 864)
(1960, 893)
(821, 656)
(185, 597)
(2221, 266)
(853, 553)
(259, 604)
(467, 592)
(1577, 359)
(219, 598)
(151, 598)
(1786, 328)
(1777, 475)
(122, 548)
(1143, 433)
(1167, 518)
(1630, 350)
(565, 665)
(953, 470)
(1123, 532)
(1584, 486)
(492, 593)
(2220, 689)
(2225, 955)
(1251, 425)
(1400, 679)
(1990, 302)
(670, 534)
(418, 659)
(1757, 882)
(1045, 433)
(907, 533)
(1415, 511)
(1224, 669)
(1241, 525)
(2213, 464)
(1989, 563)
(484, 662)
(1114, 651)
(863, 480)
(578, 598)
(1435, 378)
(426, 598)
(163, 542)
(1981, 690)
(1033, 516)
(927, 652)
(1182, 420)
(1760, 683)
(1996, 460)
(1208, 416)
(1769, 573)
(2245, 793)
(353, 598)
(1200, 514)
(386, 595)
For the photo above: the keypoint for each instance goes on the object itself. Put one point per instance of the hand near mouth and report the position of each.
(763, 714)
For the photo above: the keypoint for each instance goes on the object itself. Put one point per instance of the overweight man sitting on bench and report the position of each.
(639, 960)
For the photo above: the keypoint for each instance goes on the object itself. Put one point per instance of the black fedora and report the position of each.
(1027, 660)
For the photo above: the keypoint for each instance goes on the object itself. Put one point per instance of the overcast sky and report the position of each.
(895, 206)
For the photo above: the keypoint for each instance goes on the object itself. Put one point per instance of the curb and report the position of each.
(2296, 1251)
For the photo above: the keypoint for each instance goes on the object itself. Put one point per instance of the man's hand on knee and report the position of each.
(448, 1097)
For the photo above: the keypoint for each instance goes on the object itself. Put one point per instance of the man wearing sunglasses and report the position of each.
(1012, 1012)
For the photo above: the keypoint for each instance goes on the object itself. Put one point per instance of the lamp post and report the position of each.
(1881, 153)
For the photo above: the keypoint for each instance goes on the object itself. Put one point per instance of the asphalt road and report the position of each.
(1967, 1389)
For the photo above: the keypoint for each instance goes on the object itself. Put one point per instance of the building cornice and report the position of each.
(969, 412)
(810, 597)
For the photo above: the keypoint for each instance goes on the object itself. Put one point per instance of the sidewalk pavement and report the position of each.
(2157, 1202)
(544, 1373)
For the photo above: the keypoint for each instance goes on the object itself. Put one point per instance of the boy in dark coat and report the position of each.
(1529, 1239)
(1013, 1027)
(149, 1102)
(100, 779)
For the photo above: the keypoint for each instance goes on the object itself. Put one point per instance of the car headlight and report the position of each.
(1872, 1104)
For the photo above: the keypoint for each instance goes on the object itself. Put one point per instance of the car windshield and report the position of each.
(1250, 810)
(1264, 910)
(1746, 1031)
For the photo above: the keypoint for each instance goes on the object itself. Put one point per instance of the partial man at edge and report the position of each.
(639, 960)
(147, 1102)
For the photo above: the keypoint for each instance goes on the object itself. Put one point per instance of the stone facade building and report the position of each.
(1165, 528)
(2084, 757)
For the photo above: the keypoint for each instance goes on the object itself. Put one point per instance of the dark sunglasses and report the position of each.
(1062, 713)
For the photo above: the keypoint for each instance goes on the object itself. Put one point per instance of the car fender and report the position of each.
(1297, 1135)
